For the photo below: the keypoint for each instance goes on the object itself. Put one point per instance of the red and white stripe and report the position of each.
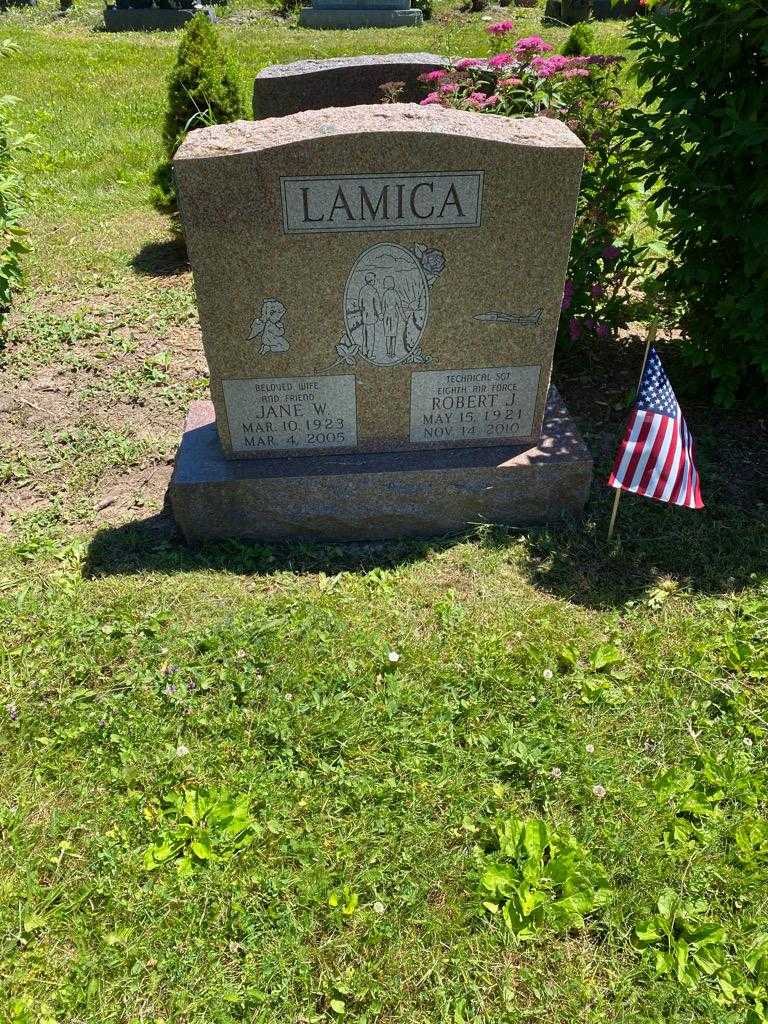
(656, 459)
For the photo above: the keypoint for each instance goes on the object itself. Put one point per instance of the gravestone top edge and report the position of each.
(248, 137)
(310, 66)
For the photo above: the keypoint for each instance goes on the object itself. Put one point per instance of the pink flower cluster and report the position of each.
(577, 324)
(451, 87)
(470, 62)
(531, 44)
(480, 101)
(545, 67)
(440, 95)
(501, 28)
(433, 76)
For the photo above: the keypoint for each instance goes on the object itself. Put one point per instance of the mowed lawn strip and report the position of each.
(371, 782)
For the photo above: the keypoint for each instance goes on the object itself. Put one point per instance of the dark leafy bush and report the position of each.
(12, 236)
(202, 90)
(702, 135)
(285, 8)
(608, 266)
(581, 40)
(425, 6)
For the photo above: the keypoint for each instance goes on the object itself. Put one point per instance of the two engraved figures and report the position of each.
(386, 304)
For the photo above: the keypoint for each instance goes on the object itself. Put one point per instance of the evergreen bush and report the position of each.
(581, 40)
(702, 135)
(12, 235)
(202, 90)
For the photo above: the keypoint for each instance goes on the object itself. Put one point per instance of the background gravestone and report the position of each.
(572, 11)
(360, 14)
(378, 279)
(148, 16)
(282, 89)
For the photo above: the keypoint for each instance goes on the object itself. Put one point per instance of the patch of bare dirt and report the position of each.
(114, 366)
(136, 492)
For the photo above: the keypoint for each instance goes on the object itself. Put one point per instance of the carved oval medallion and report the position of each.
(386, 305)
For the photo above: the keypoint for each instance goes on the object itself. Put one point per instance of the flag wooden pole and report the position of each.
(652, 327)
(612, 523)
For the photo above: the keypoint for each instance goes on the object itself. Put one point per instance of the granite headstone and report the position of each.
(126, 16)
(378, 279)
(281, 89)
(360, 14)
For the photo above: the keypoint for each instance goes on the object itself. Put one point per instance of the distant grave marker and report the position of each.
(146, 16)
(360, 14)
(282, 89)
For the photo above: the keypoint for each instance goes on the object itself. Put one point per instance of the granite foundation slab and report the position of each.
(369, 17)
(151, 19)
(282, 89)
(381, 496)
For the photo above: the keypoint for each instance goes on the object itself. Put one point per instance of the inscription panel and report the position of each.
(472, 405)
(382, 202)
(291, 413)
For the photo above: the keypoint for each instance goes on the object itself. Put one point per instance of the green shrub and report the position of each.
(285, 8)
(702, 135)
(202, 90)
(581, 40)
(12, 242)
(611, 264)
(425, 6)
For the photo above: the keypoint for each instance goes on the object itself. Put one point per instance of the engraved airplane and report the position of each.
(526, 320)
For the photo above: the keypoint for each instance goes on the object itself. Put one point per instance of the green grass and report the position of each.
(541, 674)
(92, 167)
(266, 673)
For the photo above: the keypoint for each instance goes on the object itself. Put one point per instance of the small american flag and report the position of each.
(656, 457)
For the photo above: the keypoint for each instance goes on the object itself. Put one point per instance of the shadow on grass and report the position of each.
(707, 552)
(715, 551)
(161, 259)
(154, 545)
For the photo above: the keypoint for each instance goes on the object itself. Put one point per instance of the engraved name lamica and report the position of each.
(382, 202)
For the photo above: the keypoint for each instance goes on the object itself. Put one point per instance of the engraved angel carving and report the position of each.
(270, 327)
